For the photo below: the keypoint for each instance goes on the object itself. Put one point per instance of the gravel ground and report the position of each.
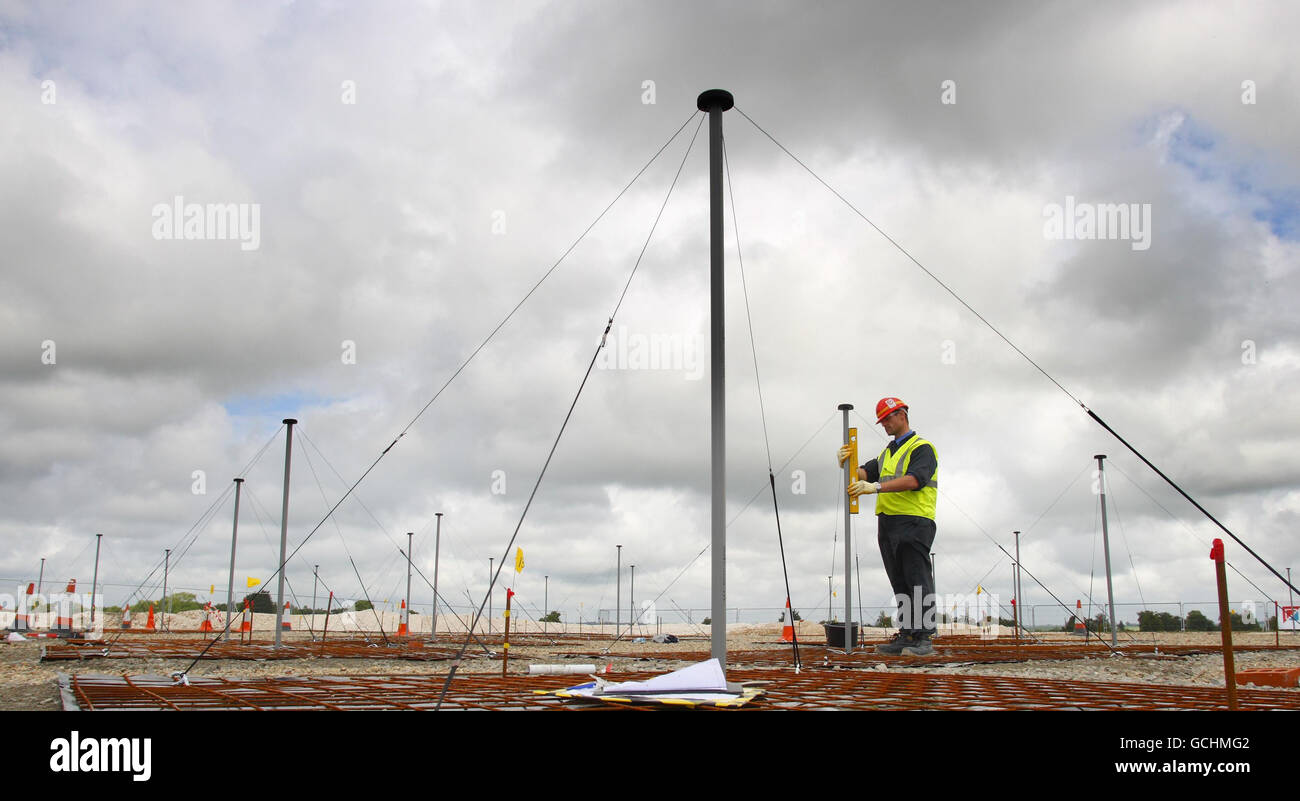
(26, 683)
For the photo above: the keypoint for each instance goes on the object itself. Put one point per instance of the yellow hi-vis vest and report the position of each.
(919, 503)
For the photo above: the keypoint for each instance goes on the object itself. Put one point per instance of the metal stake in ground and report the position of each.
(1225, 623)
(714, 102)
(94, 582)
(284, 527)
(230, 587)
(1105, 546)
(618, 591)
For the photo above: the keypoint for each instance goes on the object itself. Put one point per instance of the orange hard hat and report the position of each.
(888, 406)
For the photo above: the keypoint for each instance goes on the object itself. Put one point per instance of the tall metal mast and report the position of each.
(230, 586)
(284, 527)
(410, 535)
(94, 582)
(715, 102)
(437, 542)
(1105, 543)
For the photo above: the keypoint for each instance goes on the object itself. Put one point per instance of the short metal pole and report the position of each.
(491, 561)
(857, 575)
(1225, 623)
(851, 475)
(1015, 590)
(230, 585)
(618, 592)
(167, 561)
(437, 547)
(1105, 543)
(634, 618)
(546, 600)
(410, 535)
(328, 607)
(284, 527)
(315, 575)
(505, 646)
(94, 582)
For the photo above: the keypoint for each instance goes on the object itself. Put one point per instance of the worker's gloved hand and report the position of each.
(844, 452)
(863, 488)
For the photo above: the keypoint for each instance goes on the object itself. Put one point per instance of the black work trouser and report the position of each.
(905, 543)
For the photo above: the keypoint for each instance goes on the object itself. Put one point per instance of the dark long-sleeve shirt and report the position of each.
(921, 465)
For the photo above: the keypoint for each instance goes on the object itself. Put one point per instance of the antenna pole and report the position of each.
(315, 578)
(94, 582)
(714, 102)
(284, 527)
(230, 586)
(167, 563)
(1105, 544)
(437, 543)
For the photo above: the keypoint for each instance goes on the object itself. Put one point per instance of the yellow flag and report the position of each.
(519, 560)
(252, 582)
(212, 588)
(978, 589)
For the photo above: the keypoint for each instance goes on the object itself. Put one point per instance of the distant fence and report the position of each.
(528, 614)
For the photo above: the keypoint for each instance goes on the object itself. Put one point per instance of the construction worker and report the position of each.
(904, 479)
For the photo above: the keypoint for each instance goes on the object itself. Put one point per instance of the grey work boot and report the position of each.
(895, 646)
(918, 645)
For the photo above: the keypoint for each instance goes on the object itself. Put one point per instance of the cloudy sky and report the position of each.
(408, 172)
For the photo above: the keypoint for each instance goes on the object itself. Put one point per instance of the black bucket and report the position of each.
(835, 635)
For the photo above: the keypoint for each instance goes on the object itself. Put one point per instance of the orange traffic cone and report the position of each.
(149, 624)
(285, 625)
(22, 615)
(63, 622)
(206, 625)
(246, 624)
(1079, 627)
(787, 631)
(402, 628)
